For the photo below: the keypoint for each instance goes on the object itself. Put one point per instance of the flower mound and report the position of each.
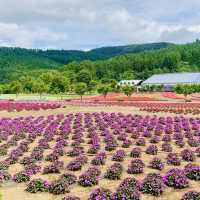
(156, 163)
(191, 195)
(99, 159)
(128, 189)
(21, 177)
(176, 178)
(152, 184)
(173, 159)
(59, 187)
(37, 185)
(4, 176)
(119, 156)
(71, 198)
(192, 171)
(136, 167)
(101, 194)
(152, 150)
(89, 178)
(114, 172)
(136, 152)
(188, 155)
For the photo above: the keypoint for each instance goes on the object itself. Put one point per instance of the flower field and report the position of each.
(113, 97)
(19, 106)
(100, 155)
(172, 95)
(177, 108)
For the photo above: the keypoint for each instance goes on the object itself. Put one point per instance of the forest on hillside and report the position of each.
(15, 62)
(56, 77)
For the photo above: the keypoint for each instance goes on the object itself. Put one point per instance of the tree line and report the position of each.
(58, 79)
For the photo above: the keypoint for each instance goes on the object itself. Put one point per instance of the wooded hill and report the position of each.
(123, 62)
(15, 62)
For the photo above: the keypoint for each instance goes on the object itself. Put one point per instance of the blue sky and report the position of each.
(86, 24)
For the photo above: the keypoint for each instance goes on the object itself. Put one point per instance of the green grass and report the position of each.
(50, 97)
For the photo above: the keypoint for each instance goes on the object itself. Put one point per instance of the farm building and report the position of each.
(169, 80)
(130, 82)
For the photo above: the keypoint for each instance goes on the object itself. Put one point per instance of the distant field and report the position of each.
(15, 191)
(121, 125)
(37, 97)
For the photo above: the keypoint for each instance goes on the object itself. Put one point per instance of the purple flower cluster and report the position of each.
(188, 155)
(89, 178)
(114, 172)
(166, 147)
(55, 167)
(176, 178)
(126, 143)
(140, 142)
(99, 159)
(191, 195)
(136, 167)
(83, 135)
(136, 152)
(119, 156)
(71, 198)
(111, 143)
(37, 185)
(21, 177)
(152, 184)
(173, 159)
(156, 163)
(192, 171)
(101, 194)
(128, 189)
(4, 176)
(152, 150)
(77, 164)
(61, 186)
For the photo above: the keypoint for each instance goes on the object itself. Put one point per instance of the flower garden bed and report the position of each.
(19, 106)
(162, 155)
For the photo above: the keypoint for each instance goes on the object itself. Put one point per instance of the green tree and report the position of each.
(178, 89)
(128, 90)
(83, 76)
(48, 77)
(27, 83)
(104, 90)
(92, 85)
(127, 75)
(81, 89)
(184, 89)
(15, 87)
(59, 85)
(39, 87)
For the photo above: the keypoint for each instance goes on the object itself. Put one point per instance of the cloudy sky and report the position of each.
(86, 24)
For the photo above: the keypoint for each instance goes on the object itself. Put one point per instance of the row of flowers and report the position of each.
(129, 188)
(19, 106)
(103, 134)
(172, 95)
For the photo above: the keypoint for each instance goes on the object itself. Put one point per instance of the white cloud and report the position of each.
(20, 36)
(83, 24)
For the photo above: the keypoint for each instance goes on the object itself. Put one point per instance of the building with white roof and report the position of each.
(169, 80)
(129, 82)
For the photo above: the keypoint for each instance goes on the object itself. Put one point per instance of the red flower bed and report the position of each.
(119, 97)
(178, 108)
(172, 95)
(19, 106)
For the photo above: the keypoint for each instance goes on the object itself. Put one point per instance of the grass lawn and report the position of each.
(37, 97)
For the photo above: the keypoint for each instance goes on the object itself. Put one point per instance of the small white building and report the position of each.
(129, 82)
